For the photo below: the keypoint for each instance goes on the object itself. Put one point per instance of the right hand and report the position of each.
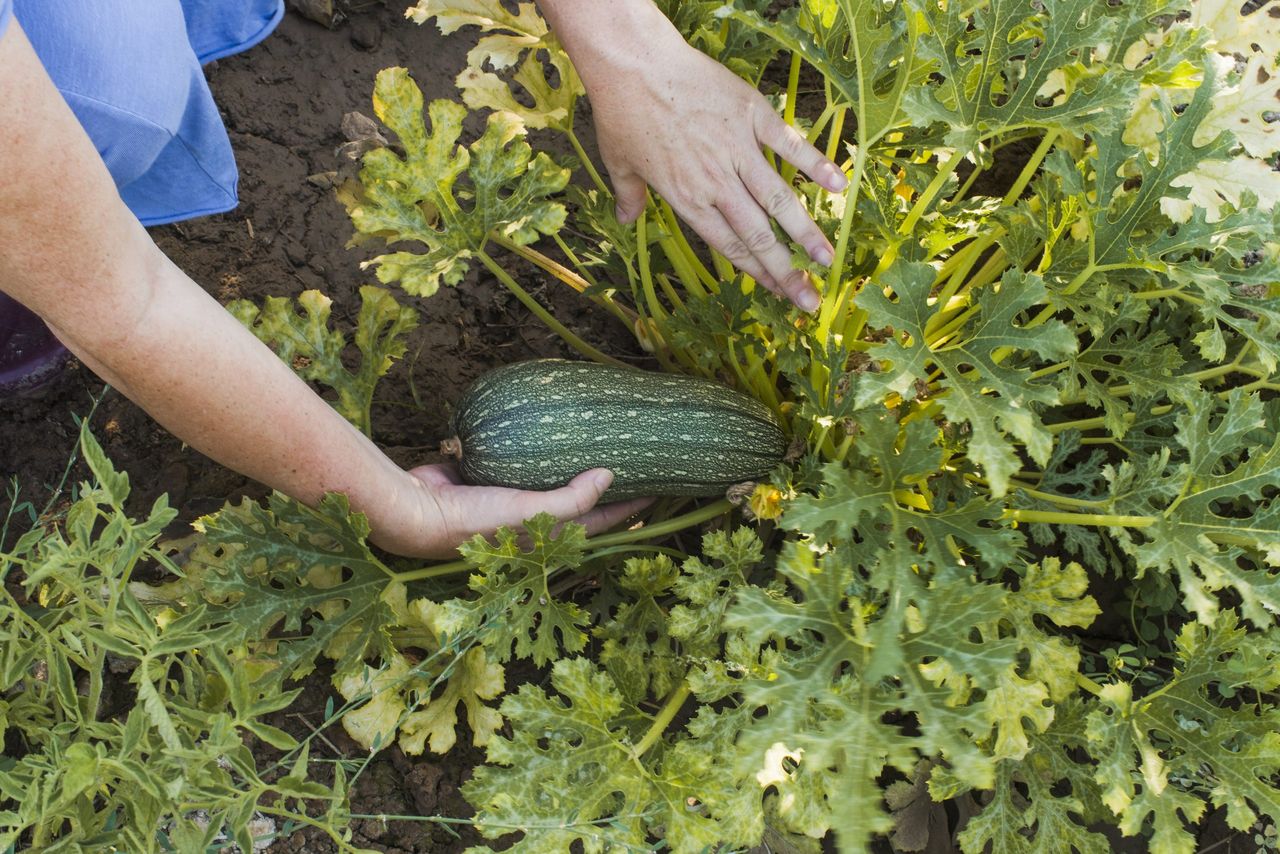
(670, 117)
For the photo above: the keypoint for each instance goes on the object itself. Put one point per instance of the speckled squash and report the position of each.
(537, 424)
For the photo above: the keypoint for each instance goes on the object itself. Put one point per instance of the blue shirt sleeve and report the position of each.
(6, 12)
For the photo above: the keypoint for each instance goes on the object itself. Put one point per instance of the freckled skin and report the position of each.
(73, 252)
(649, 447)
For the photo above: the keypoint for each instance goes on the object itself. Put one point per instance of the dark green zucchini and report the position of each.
(537, 424)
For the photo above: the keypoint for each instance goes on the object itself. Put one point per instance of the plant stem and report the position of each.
(1049, 370)
(1063, 500)
(1052, 517)
(1032, 165)
(837, 128)
(580, 269)
(833, 306)
(303, 818)
(956, 269)
(586, 162)
(656, 310)
(1088, 684)
(1173, 293)
(788, 171)
(660, 723)
(545, 316)
(665, 527)
(922, 204)
(628, 548)
(677, 304)
(702, 276)
(569, 277)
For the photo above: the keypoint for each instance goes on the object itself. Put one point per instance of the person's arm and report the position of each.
(73, 252)
(671, 117)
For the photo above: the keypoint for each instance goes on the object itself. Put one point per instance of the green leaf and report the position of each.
(997, 68)
(637, 651)
(1215, 516)
(999, 402)
(81, 772)
(1126, 361)
(289, 567)
(1030, 810)
(737, 47)
(864, 49)
(863, 499)
(514, 609)
(1186, 733)
(114, 485)
(1123, 221)
(569, 775)
(708, 585)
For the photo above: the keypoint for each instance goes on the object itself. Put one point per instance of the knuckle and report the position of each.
(778, 201)
(795, 283)
(788, 140)
(760, 240)
(735, 249)
(793, 145)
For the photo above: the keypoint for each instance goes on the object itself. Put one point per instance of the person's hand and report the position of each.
(669, 116)
(446, 512)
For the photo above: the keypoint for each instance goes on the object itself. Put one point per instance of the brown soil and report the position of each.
(283, 103)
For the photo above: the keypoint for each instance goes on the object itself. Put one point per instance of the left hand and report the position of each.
(448, 512)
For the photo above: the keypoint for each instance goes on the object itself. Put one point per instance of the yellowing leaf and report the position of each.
(1241, 109)
(374, 724)
(1215, 184)
(1231, 32)
(525, 24)
(472, 679)
(552, 105)
(416, 198)
(520, 38)
(1011, 702)
(307, 344)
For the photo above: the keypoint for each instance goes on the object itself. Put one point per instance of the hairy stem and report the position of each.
(586, 162)
(545, 316)
(664, 717)
(1105, 520)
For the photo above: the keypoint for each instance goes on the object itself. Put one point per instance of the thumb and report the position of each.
(578, 495)
(629, 191)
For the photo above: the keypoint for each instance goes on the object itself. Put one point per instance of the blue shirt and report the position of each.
(130, 71)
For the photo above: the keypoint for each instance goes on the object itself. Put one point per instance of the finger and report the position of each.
(569, 501)
(605, 516)
(629, 195)
(782, 204)
(748, 221)
(792, 147)
(712, 227)
(438, 474)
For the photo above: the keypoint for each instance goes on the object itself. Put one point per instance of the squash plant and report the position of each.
(127, 726)
(1025, 555)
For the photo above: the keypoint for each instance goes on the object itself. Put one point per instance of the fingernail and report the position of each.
(603, 479)
(822, 254)
(835, 179)
(809, 301)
